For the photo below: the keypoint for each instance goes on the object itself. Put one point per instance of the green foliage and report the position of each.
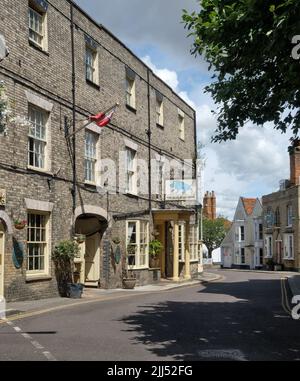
(63, 256)
(155, 247)
(214, 232)
(66, 251)
(248, 44)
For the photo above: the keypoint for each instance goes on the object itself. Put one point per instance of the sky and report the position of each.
(250, 166)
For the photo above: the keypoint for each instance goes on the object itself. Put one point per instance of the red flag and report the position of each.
(102, 119)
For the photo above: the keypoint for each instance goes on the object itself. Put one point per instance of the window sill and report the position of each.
(138, 268)
(160, 126)
(92, 84)
(90, 184)
(289, 259)
(183, 140)
(131, 194)
(37, 47)
(37, 277)
(40, 170)
(131, 108)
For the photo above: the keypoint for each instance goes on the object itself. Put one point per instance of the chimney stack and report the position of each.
(209, 206)
(295, 163)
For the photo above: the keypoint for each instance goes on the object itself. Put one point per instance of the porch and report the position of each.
(172, 229)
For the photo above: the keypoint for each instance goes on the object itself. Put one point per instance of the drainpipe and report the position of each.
(73, 110)
(149, 145)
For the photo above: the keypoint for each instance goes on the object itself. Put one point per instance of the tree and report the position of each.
(214, 232)
(249, 44)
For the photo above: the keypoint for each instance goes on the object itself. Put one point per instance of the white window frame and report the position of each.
(195, 245)
(269, 246)
(288, 247)
(138, 244)
(260, 230)
(47, 244)
(159, 112)
(242, 256)
(92, 67)
(242, 227)
(38, 139)
(131, 171)
(91, 157)
(181, 241)
(130, 92)
(41, 34)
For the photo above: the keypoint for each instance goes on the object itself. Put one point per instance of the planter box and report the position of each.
(154, 263)
(129, 283)
(74, 290)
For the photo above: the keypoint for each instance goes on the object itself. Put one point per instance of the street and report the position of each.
(240, 317)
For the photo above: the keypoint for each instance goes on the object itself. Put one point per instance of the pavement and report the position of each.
(15, 310)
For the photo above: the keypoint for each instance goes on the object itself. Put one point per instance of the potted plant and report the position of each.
(128, 278)
(270, 264)
(63, 256)
(20, 224)
(155, 247)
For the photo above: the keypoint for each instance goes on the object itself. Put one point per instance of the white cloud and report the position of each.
(168, 76)
(157, 23)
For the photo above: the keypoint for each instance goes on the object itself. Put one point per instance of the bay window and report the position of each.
(137, 244)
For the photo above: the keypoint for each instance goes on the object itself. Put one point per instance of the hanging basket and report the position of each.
(20, 226)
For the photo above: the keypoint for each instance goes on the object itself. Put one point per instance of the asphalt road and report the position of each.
(237, 318)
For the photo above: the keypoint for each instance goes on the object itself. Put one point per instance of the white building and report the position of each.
(242, 246)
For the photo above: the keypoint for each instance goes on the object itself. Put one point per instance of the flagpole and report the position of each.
(90, 122)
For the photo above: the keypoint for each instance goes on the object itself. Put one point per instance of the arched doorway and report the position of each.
(2, 248)
(88, 265)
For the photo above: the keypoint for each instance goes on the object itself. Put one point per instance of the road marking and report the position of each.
(34, 343)
(49, 356)
(284, 297)
(37, 345)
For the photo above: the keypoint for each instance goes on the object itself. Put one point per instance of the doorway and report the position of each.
(2, 240)
(92, 260)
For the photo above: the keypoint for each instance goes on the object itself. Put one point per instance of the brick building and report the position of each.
(62, 68)
(281, 218)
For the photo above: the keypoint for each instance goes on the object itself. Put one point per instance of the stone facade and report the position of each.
(42, 77)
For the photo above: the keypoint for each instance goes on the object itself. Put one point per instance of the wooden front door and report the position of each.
(92, 259)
